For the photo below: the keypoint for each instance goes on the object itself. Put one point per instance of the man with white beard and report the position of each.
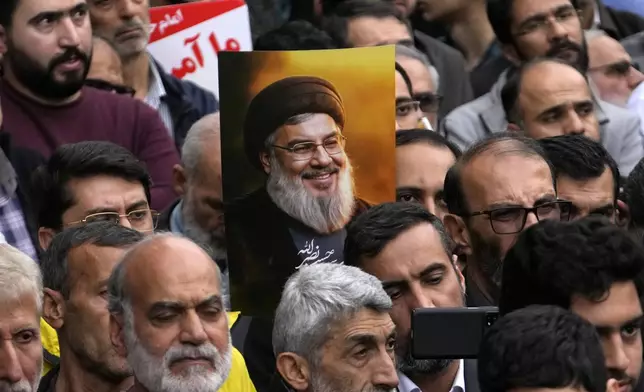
(199, 213)
(333, 332)
(21, 355)
(167, 316)
(293, 133)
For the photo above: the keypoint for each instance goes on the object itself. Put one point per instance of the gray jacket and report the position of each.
(619, 129)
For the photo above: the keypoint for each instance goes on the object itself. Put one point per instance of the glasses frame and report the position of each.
(342, 140)
(153, 213)
(527, 211)
(435, 107)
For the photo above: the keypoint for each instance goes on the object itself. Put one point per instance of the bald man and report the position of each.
(611, 68)
(546, 98)
(167, 316)
(106, 69)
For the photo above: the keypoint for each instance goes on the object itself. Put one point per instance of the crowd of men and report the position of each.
(519, 185)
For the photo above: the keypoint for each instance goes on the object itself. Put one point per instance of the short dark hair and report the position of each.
(104, 234)
(371, 231)
(423, 136)
(512, 89)
(81, 160)
(454, 194)
(553, 261)
(7, 9)
(634, 196)
(499, 13)
(336, 20)
(541, 347)
(580, 158)
(295, 35)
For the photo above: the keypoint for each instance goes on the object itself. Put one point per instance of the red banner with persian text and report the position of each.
(187, 38)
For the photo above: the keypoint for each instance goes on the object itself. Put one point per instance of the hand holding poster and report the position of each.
(187, 38)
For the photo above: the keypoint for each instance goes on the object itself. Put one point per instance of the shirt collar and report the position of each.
(407, 385)
(156, 90)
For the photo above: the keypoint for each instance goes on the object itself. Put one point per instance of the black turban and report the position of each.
(282, 100)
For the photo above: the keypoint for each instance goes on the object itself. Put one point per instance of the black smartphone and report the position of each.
(449, 333)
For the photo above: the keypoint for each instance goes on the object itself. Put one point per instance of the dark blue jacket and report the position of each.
(187, 103)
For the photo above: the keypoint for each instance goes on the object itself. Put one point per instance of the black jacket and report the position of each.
(454, 83)
(619, 24)
(187, 103)
(24, 162)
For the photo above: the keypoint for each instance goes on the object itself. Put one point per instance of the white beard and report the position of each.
(23, 385)
(323, 214)
(154, 373)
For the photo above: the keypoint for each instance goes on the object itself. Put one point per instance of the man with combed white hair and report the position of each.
(199, 213)
(21, 355)
(168, 318)
(333, 332)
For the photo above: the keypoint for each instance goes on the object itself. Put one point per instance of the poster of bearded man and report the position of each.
(308, 142)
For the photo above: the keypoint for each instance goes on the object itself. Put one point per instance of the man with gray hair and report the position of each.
(333, 332)
(199, 213)
(75, 268)
(21, 357)
(168, 318)
(424, 79)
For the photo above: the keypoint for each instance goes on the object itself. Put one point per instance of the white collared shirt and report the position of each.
(407, 385)
(636, 104)
(156, 94)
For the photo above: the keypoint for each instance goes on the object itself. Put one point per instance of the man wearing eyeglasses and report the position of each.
(611, 68)
(424, 80)
(92, 182)
(528, 30)
(497, 189)
(293, 133)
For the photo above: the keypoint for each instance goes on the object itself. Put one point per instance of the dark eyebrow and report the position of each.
(604, 329)
(408, 189)
(363, 339)
(139, 205)
(299, 141)
(403, 100)
(553, 110)
(545, 199)
(542, 16)
(496, 206)
(26, 328)
(99, 210)
(434, 266)
(57, 14)
(604, 208)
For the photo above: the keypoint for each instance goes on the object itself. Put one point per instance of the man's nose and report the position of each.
(321, 157)
(616, 359)
(10, 368)
(192, 330)
(574, 125)
(386, 376)
(68, 37)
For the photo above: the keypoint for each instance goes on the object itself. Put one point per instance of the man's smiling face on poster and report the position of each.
(299, 122)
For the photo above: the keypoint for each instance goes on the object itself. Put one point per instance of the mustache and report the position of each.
(621, 377)
(206, 352)
(130, 25)
(21, 386)
(562, 46)
(68, 55)
(309, 174)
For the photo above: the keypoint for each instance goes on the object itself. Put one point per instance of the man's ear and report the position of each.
(512, 127)
(53, 308)
(623, 214)
(264, 158)
(510, 53)
(179, 179)
(45, 235)
(294, 370)
(117, 334)
(456, 228)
